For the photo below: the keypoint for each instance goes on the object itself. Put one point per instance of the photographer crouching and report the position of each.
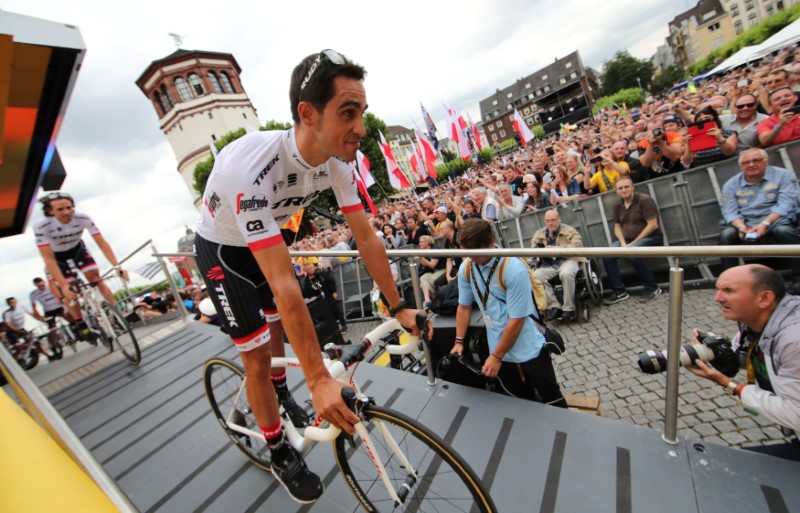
(769, 335)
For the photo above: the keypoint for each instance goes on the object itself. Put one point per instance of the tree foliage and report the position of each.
(625, 98)
(754, 35)
(666, 79)
(622, 71)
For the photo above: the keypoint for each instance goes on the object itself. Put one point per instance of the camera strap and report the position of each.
(606, 180)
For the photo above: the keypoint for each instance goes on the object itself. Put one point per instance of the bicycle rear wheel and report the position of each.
(444, 482)
(123, 334)
(223, 382)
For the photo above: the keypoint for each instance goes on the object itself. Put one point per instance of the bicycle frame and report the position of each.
(342, 374)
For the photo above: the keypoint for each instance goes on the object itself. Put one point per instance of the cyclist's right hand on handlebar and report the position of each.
(326, 396)
(408, 320)
(69, 297)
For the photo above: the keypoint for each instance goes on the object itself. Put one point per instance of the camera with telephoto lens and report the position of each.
(713, 349)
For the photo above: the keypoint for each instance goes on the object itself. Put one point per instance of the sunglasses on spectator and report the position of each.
(746, 105)
(331, 55)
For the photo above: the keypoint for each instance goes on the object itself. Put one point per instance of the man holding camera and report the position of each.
(660, 151)
(783, 125)
(759, 202)
(608, 172)
(769, 334)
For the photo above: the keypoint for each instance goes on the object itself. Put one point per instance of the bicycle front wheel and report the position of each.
(434, 479)
(123, 334)
(224, 384)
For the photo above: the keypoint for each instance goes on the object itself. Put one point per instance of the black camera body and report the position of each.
(595, 160)
(658, 132)
(713, 349)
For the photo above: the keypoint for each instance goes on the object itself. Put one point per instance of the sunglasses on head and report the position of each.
(331, 55)
(56, 196)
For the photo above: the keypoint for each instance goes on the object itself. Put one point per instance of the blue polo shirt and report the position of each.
(776, 192)
(515, 303)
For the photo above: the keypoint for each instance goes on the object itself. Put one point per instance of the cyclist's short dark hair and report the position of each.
(475, 233)
(319, 89)
(9, 300)
(37, 280)
(765, 278)
(47, 199)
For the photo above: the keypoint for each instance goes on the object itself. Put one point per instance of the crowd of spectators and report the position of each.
(750, 107)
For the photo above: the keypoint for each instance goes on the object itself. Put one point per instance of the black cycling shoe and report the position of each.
(299, 417)
(303, 485)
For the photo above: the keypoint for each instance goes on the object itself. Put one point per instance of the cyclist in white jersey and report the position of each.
(51, 308)
(58, 237)
(257, 183)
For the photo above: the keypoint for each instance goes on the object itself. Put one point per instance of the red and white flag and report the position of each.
(364, 179)
(396, 176)
(475, 133)
(521, 127)
(427, 153)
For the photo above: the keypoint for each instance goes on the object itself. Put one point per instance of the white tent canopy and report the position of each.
(787, 36)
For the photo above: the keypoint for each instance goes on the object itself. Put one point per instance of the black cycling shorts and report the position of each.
(239, 291)
(51, 316)
(79, 257)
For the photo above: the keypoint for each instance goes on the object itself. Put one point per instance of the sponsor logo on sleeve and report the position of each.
(251, 204)
(254, 226)
(212, 204)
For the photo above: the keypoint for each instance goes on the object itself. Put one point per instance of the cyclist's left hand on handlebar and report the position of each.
(122, 273)
(327, 399)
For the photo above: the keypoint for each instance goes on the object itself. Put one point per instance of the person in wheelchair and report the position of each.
(517, 352)
(555, 234)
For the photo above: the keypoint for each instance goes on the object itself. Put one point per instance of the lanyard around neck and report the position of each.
(484, 297)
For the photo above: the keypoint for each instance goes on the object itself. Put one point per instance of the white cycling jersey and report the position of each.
(259, 181)
(46, 298)
(63, 237)
(15, 318)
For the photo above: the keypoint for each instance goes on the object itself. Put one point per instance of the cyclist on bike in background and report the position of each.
(58, 237)
(52, 309)
(14, 324)
(257, 183)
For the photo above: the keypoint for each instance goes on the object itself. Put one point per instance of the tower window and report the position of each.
(197, 85)
(159, 101)
(166, 96)
(183, 89)
(214, 82)
(226, 82)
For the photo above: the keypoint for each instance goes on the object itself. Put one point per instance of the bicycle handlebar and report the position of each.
(380, 332)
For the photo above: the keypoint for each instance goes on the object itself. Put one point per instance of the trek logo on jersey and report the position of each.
(216, 273)
(245, 205)
(292, 179)
(212, 204)
(266, 169)
(254, 226)
(296, 201)
(226, 307)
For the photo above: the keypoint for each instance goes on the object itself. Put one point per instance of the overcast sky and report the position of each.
(122, 171)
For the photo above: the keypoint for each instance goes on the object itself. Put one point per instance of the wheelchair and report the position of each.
(588, 288)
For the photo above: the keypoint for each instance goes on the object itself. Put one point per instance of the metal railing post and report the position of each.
(181, 307)
(673, 352)
(413, 269)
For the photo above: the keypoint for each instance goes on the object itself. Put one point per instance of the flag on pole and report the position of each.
(456, 124)
(364, 179)
(475, 133)
(293, 223)
(426, 118)
(521, 127)
(427, 153)
(396, 176)
(149, 270)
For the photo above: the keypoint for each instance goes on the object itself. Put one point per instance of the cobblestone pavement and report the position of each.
(601, 361)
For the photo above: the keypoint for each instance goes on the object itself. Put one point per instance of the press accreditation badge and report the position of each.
(488, 322)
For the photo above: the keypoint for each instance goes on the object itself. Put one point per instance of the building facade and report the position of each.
(197, 96)
(561, 92)
(695, 33)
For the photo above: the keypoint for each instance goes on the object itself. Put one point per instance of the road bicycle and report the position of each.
(25, 350)
(413, 361)
(392, 463)
(105, 322)
(63, 333)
